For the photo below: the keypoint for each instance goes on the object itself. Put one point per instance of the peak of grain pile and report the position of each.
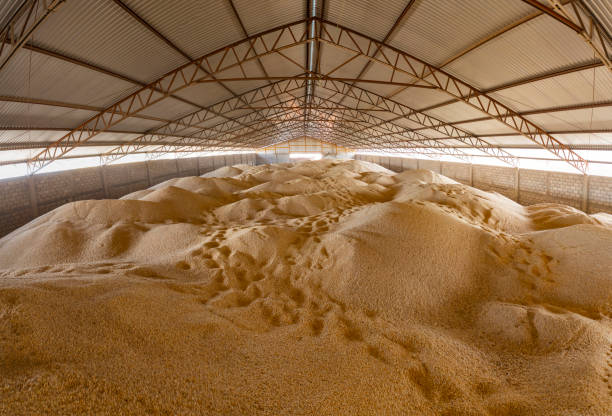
(327, 288)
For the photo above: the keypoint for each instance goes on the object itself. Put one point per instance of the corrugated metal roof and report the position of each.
(204, 94)
(508, 140)
(276, 64)
(29, 136)
(196, 27)
(101, 33)
(333, 57)
(482, 128)
(588, 86)
(456, 112)
(437, 30)
(592, 139)
(369, 17)
(169, 108)
(539, 46)
(136, 125)
(7, 10)
(33, 75)
(602, 10)
(52, 79)
(419, 98)
(261, 15)
(583, 119)
(23, 115)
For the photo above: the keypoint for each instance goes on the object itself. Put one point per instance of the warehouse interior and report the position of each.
(312, 155)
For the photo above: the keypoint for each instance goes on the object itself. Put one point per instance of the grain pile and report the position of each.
(328, 288)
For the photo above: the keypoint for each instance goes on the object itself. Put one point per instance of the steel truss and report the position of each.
(211, 68)
(375, 131)
(578, 18)
(20, 26)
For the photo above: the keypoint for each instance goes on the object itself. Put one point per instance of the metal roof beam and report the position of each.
(590, 31)
(22, 24)
(169, 43)
(401, 63)
(540, 111)
(169, 84)
(545, 9)
(483, 41)
(397, 22)
(62, 104)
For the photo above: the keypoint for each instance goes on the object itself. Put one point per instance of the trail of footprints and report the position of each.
(241, 286)
(533, 265)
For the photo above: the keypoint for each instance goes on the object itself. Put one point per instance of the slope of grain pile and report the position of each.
(328, 288)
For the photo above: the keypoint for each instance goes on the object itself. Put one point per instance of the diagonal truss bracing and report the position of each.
(403, 67)
(20, 26)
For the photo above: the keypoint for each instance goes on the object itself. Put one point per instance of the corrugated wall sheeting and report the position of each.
(102, 33)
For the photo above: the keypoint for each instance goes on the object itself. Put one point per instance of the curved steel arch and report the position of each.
(274, 41)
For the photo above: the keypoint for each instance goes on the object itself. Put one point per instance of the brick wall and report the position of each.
(55, 189)
(24, 198)
(15, 208)
(459, 171)
(599, 193)
(592, 193)
(125, 178)
(162, 170)
(494, 178)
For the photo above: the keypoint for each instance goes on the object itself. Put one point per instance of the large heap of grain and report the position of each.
(327, 288)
